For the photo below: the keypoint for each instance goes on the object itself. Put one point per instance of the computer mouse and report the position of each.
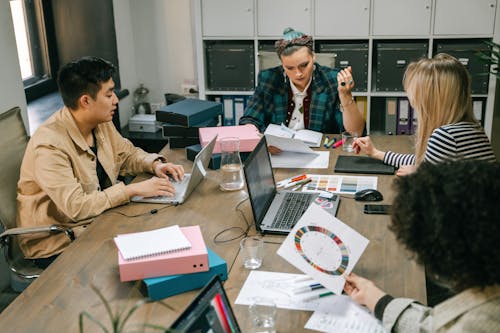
(368, 195)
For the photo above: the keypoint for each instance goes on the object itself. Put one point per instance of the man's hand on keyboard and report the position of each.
(152, 187)
(174, 170)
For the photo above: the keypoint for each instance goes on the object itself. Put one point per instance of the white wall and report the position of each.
(11, 85)
(155, 47)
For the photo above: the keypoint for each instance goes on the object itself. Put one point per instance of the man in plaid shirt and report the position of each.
(302, 94)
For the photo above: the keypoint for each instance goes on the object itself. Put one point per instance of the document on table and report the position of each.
(339, 184)
(323, 247)
(343, 316)
(308, 137)
(280, 287)
(318, 160)
(289, 145)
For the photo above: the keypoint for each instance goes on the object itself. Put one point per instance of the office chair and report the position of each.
(12, 147)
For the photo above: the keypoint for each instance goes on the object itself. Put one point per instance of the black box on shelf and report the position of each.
(351, 54)
(192, 131)
(466, 53)
(391, 61)
(230, 65)
(182, 141)
(189, 112)
(215, 161)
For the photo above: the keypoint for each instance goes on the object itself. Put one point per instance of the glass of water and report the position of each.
(263, 315)
(252, 251)
(231, 169)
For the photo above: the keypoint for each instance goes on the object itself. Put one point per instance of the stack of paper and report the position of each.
(308, 137)
(149, 243)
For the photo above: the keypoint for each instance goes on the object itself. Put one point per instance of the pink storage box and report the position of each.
(249, 136)
(193, 260)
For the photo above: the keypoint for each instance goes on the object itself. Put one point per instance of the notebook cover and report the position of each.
(189, 112)
(193, 260)
(249, 136)
(165, 286)
(362, 164)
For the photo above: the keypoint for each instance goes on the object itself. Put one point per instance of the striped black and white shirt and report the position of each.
(460, 141)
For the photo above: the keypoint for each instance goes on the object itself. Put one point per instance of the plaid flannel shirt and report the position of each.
(269, 104)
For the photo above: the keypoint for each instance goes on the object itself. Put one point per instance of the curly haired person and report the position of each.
(447, 215)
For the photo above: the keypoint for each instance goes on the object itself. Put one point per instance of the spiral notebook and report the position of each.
(150, 243)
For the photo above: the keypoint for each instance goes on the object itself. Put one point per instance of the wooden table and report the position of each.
(53, 302)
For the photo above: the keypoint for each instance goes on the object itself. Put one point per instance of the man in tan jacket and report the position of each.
(72, 162)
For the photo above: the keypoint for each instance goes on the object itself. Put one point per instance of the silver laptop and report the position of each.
(184, 187)
(274, 212)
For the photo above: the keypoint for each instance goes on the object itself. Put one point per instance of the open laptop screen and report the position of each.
(260, 180)
(210, 312)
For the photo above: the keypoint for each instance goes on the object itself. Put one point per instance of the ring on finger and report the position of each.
(351, 81)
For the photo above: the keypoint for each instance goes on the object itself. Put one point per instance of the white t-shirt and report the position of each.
(297, 119)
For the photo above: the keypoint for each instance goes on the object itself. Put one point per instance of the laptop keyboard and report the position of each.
(291, 209)
(179, 188)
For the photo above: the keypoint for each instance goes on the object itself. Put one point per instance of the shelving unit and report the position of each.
(436, 25)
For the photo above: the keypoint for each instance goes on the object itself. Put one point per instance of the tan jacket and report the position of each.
(58, 181)
(472, 310)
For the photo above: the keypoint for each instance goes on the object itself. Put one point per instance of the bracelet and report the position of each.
(349, 103)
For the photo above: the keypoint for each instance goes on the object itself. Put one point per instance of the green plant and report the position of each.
(492, 58)
(119, 318)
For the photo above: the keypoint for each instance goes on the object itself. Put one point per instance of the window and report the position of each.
(32, 28)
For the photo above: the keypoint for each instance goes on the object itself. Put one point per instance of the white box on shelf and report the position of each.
(143, 123)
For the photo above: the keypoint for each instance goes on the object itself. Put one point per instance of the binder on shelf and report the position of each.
(239, 104)
(249, 136)
(166, 286)
(215, 160)
(362, 103)
(403, 121)
(234, 107)
(228, 111)
(414, 121)
(189, 112)
(478, 108)
(391, 107)
(193, 260)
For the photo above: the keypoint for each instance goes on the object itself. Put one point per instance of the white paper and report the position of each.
(339, 184)
(154, 242)
(308, 137)
(320, 160)
(323, 247)
(279, 287)
(343, 316)
(288, 144)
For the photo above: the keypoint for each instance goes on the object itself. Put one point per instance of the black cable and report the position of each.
(150, 212)
(243, 231)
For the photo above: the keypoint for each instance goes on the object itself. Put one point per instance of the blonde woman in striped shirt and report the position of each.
(439, 91)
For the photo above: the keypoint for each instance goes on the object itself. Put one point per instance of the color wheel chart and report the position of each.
(339, 184)
(314, 244)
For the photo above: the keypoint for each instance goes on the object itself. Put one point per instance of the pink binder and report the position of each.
(193, 260)
(248, 135)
